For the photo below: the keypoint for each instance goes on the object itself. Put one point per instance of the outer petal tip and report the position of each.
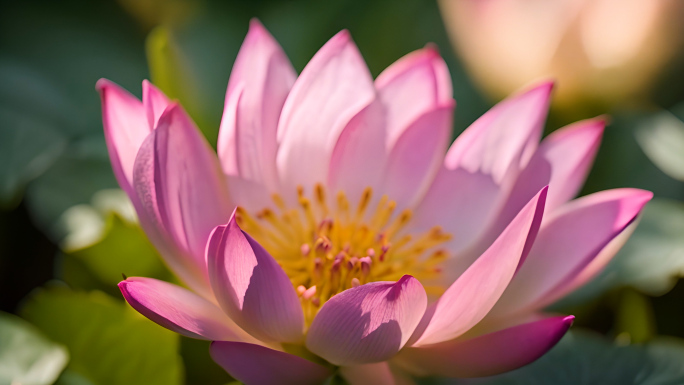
(546, 85)
(431, 49)
(256, 25)
(102, 84)
(644, 196)
(489, 354)
(251, 287)
(343, 36)
(167, 116)
(179, 310)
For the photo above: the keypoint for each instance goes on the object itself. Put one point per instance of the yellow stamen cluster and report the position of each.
(327, 248)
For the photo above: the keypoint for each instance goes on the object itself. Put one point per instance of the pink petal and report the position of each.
(183, 194)
(562, 162)
(474, 293)
(369, 323)
(489, 354)
(154, 102)
(358, 160)
(479, 170)
(500, 141)
(334, 87)
(257, 365)
(251, 287)
(417, 155)
(412, 86)
(377, 374)
(454, 195)
(125, 128)
(252, 196)
(180, 310)
(259, 83)
(574, 236)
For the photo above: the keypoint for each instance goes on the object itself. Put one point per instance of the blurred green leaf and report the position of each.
(586, 358)
(651, 260)
(635, 322)
(171, 72)
(621, 162)
(72, 180)
(72, 378)
(26, 356)
(109, 343)
(51, 55)
(199, 367)
(123, 249)
(662, 139)
(27, 148)
(103, 241)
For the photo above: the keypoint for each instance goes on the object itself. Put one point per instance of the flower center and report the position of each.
(327, 248)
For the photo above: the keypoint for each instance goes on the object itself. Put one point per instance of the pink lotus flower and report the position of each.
(357, 245)
(603, 52)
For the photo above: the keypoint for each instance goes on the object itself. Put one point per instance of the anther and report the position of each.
(305, 249)
(323, 245)
(352, 262)
(310, 292)
(355, 282)
(365, 265)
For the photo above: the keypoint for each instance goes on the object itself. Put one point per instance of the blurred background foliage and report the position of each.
(67, 233)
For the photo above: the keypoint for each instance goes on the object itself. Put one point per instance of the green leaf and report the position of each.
(123, 249)
(104, 241)
(200, 368)
(662, 139)
(635, 321)
(72, 180)
(71, 378)
(171, 72)
(28, 147)
(48, 71)
(109, 343)
(651, 261)
(26, 356)
(587, 358)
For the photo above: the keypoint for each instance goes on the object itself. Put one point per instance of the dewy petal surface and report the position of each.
(125, 128)
(468, 300)
(489, 354)
(257, 365)
(413, 85)
(251, 287)
(183, 194)
(180, 310)
(369, 323)
(259, 84)
(569, 240)
(332, 88)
